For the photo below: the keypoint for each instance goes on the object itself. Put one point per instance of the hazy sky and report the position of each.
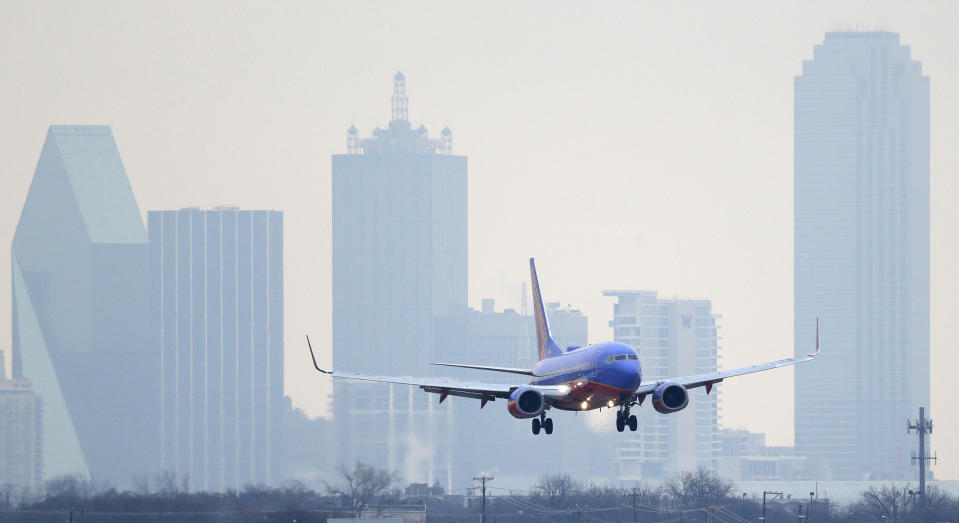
(640, 145)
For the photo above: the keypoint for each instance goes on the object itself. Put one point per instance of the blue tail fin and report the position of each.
(547, 347)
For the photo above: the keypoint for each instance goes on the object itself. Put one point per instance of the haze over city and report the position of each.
(625, 146)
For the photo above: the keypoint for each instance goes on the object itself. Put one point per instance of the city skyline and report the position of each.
(712, 249)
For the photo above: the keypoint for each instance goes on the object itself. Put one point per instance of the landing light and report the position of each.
(584, 405)
(610, 403)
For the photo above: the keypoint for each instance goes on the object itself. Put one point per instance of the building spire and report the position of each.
(400, 101)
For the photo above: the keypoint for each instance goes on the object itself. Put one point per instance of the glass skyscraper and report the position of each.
(399, 264)
(217, 314)
(80, 299)
(861, 253)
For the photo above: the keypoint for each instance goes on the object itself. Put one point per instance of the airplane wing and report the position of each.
(448, 387)
(710, 378)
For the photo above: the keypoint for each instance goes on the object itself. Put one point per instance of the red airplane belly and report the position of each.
(595, 395)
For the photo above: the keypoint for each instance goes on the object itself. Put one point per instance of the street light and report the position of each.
(809, 510)
(775, 494)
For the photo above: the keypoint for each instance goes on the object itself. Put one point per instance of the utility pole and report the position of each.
(483, 479)
(775, 495)
(634, 503)
(922, 426)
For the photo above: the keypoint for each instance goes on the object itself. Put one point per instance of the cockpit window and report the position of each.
(631, 357)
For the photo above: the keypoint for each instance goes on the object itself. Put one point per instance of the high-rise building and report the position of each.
(21, 450)
(80, 299)
(674, 337)
(399, 264)
(861, 252)
(217, 314)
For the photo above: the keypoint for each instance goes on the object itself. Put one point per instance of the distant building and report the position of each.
(21, 442)
(217, 313)
(491, 440)
(80, 299)
(674, 337)
(861, 253)
(399, 264)
(744, 456)
(508, 338)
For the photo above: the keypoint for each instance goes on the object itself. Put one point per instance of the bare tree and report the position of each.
(891, 503)
(167, 484)
(556, 489)
(141, 484)
(361, 485)
(697, 489)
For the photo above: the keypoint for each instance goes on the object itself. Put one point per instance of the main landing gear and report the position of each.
(542, 422)
(624, 418)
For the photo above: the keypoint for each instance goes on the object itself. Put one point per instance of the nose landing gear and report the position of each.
(625, 419)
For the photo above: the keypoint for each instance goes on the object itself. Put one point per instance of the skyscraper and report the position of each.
(861, 252)
(217, 313)
(79, 263)
(399, 263)
(674, 337)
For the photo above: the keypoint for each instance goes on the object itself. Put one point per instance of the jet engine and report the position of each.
(670, 397)
(526, 402)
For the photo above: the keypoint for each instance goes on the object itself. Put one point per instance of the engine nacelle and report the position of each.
(526, 402)
(670, 397)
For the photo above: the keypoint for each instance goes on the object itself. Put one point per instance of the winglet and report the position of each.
(547, 347)
(310, 345)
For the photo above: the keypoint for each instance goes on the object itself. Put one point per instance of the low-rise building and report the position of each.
(21, 464)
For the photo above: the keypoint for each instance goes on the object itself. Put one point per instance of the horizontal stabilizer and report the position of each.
(512, 370)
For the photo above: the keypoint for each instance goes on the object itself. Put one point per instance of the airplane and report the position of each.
(605, 374)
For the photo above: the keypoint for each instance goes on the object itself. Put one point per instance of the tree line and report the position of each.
(367, 491)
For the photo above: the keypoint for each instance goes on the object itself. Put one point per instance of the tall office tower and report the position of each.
(861, 253)
(674, 337)
(399, 263)
(80, 283)
(217, 312)
(21, 444)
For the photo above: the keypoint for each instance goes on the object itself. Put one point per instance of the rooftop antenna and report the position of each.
(400, 102)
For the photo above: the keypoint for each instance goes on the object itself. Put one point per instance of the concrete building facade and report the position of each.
(861, 253)
(217, 315)
(673, 337)
(21, 435)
